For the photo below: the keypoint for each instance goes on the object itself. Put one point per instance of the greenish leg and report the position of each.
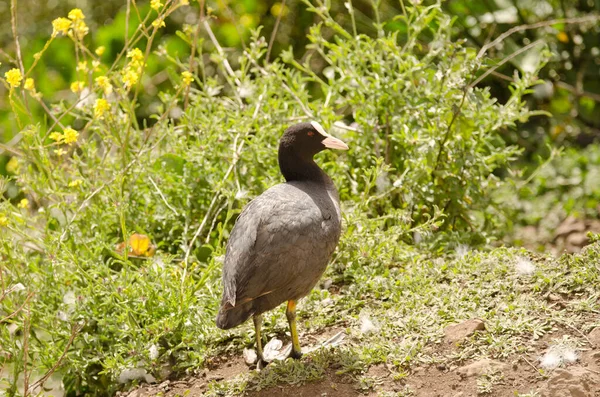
(261, 363)
(291, 316)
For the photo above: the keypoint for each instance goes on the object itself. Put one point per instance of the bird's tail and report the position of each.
(232, 316)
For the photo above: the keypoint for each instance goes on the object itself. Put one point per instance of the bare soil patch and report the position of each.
(510, 377)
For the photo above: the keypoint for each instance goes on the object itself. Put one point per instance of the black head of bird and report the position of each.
(297, 147)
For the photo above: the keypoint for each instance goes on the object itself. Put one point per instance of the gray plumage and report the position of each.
(283, 239)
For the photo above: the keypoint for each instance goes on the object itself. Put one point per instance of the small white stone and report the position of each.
(250, 356)
(271, 349)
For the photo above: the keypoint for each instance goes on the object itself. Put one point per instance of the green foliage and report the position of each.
(568, 185)
(571, 89)
(411, 98)
(424, 155)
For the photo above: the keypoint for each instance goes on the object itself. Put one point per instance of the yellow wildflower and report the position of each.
(80, 28)
(130, 78)
(104, 83)
(29, 84)
(13, 77)
(13, 165)
(70, 135)
(136, 56)
(60, 151)
(246, 20)
(23, 203)
(100, 50)
(96, 65)
(82, 66)
(278, 9)
(60, 25)
(3, 220)
(56, 136)
(155, 4)
(75, 183)
(77, 86)
(187, 78)
(158, 23)
(100, 107)
(185, 2)
(76, 14)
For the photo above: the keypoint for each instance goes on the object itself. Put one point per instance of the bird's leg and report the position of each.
(261, 363)
(291, 316)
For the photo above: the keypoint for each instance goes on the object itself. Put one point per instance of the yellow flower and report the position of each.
(60, 25)
(130, 78)
(60, 151)
(70, 135)
(29, 84)
(100, 107)
(13, 77)
(246, 20)
(77, 86)
(56, 136)
(96, 65)
(75, 183)
(155, 4)
(104, 83)
(80, 28)
(100, 50)
(187, 78)
(279, 9)
(136, 56)
(76, 14)
(13, 165)
(23, 203)
(3, 220)
(82, 67)
(158, 23)
(185, 2)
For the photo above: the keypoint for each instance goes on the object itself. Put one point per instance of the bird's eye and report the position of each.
(310, 133)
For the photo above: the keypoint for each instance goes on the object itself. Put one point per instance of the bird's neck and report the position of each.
(298, 168)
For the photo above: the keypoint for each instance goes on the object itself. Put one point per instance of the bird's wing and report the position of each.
(270, 243)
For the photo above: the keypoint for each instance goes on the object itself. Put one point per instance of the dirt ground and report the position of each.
(519, 375)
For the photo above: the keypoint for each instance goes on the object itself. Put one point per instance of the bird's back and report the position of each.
(278, 249)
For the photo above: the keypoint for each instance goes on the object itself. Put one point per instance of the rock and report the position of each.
(594, 337)
(272, 349)
(568, 226)
(481, 367)
(575, 381)
(250, 356)
(456, 332)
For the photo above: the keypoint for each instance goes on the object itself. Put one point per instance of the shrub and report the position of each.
(122, 222)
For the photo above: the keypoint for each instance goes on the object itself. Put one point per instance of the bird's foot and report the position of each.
(261, 364)
(295, 354)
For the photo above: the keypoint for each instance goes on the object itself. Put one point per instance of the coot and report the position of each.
(283, 239)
